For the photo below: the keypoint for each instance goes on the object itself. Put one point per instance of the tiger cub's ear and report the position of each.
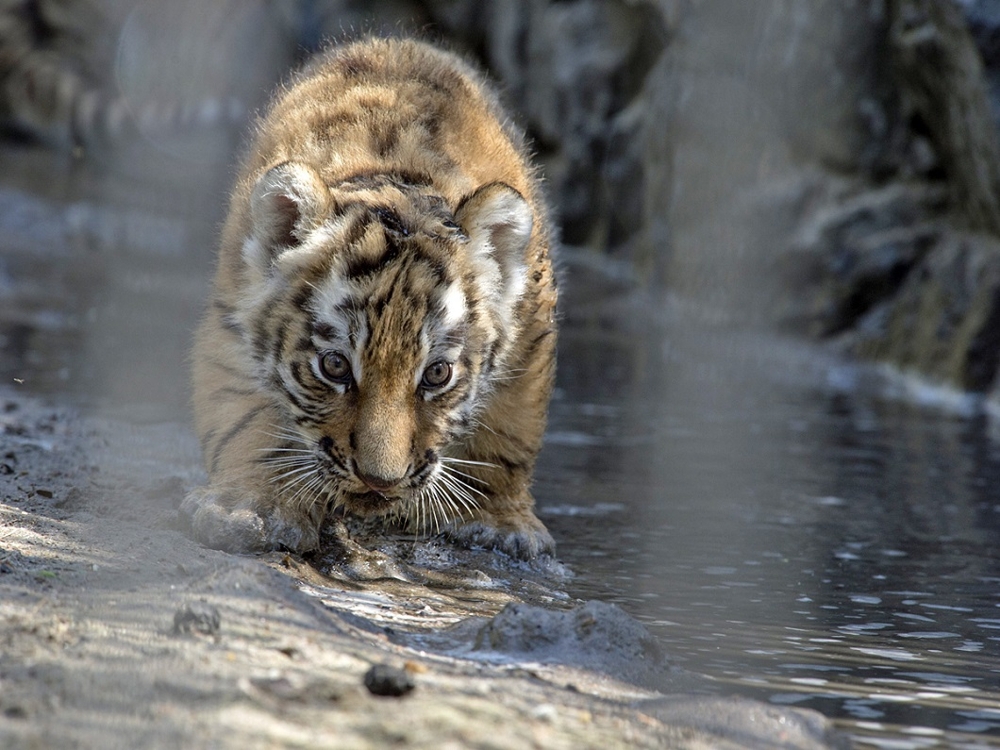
(287, 202)
(498, 222)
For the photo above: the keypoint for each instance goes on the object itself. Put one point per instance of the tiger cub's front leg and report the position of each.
(499, 456)
(247, 506)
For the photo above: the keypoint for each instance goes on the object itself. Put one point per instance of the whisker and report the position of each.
(453, 472)
(433, 503)
(414, 509)
(298, 479)
(320, 493)
(444, 499)
(303, 478)
(456, 481)
(431, 517)
(302, 458)
(280, 466)
(453, 460)
(455, 510)
(293, 437)
(439, 524)
(449, 511)
(312, 484)
(480, 423)
(284, 433)
(508, 374)
(458, 492)
(293, 472)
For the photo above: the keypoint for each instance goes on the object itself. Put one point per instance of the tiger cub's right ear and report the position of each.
(287, 202)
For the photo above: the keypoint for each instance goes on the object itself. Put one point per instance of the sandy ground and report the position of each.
(119, 631)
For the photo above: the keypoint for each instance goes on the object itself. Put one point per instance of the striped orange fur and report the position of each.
(381, 333)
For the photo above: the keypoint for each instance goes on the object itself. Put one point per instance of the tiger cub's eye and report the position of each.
(334, 366)
(437, 374)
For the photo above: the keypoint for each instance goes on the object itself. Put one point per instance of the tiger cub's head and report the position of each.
(380, 317)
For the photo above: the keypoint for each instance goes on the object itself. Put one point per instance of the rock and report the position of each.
(739, 723)
(387, 680)
(570, 68)
(595, 635)
(940, 80)
(983, 18)
(945, 320)
(197, 618)
(854, 253)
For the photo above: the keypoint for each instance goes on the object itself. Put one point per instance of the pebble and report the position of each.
(545, 712)
(197, 617)
(385, 679)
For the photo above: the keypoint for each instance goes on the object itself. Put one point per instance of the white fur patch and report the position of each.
(499, 223)
(330, 294)
(350, 331)
(453, 302)
(287, 202)
(255, 254)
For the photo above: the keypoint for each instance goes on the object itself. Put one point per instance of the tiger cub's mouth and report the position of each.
(371, 503)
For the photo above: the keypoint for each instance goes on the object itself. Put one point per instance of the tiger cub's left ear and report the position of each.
(288, 201)
(498, 221)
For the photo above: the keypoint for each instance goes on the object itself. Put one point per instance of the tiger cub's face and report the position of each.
(379, 317)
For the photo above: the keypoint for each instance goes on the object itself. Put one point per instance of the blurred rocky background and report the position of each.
(827, 167)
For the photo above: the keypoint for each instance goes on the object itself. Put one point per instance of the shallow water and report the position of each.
(803, 531)
(798, 529)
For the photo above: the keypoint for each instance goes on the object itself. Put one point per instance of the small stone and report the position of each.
(385, 679)
(44, 493)
(544, 712)
(15, 712)
(199, 617)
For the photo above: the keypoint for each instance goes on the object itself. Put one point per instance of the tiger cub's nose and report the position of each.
(379, 484)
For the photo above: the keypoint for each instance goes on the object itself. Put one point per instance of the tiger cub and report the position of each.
(381, 336)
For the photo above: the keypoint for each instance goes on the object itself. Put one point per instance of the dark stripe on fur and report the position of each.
(367, 180)
(278, 347)
(537, 341)
(324, 331)
(304, 344)
(510, 464)
(227, 368)
(226, 314)
(231, 433)
(358, 268)
(302, 296)
(204, 440)
(310, 410)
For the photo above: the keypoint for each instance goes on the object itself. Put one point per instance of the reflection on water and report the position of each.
(103, 276)
(785, 526)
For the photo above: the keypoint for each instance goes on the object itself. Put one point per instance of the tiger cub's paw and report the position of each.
(523, 537)
(222, 520)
